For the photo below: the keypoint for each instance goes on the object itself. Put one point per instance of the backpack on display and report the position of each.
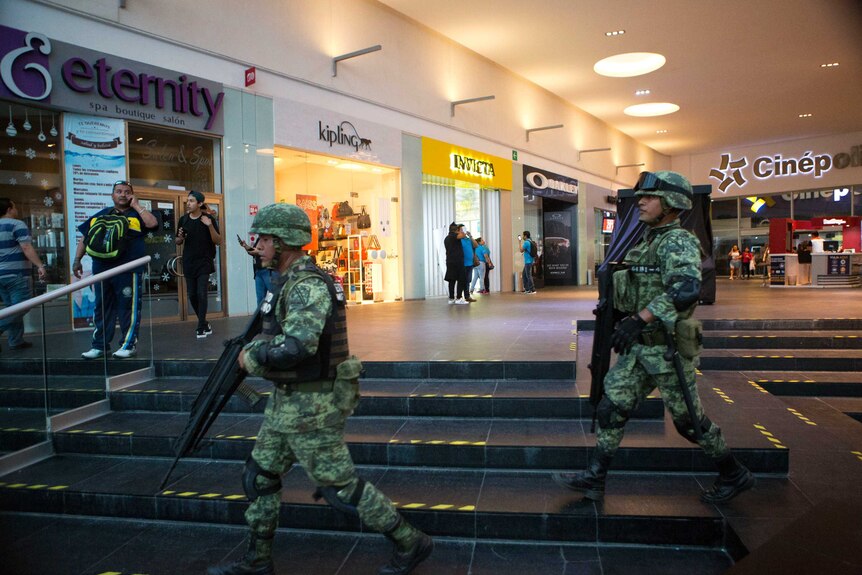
(534, 249)
(363, 222)
(342, 210)
(107, 236)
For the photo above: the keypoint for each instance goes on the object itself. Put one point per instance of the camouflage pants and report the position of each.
(629, 382)
(327, 462)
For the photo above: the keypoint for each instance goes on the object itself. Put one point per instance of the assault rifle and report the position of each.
(224, 380)
(600, 360)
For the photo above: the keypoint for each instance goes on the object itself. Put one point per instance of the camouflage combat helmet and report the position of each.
(285, 221)
(671, 186)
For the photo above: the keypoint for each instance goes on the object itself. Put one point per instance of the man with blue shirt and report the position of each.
(527, 274)
(121, 294)
(15, 251)
(469, 246)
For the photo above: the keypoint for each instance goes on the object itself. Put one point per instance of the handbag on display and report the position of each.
(342, 210)
(363, 222)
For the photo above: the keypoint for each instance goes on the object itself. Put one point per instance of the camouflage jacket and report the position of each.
(301, 312)
(657, 264)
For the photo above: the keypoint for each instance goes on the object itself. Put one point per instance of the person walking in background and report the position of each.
(735, 259)
(816, 243)
(198, 233)
(746, 258)
(764, 261)
(803, 277)
(480, 272)
(16, 257)
(455, 271)
(121, 294)
(528, 248)
(468, 244)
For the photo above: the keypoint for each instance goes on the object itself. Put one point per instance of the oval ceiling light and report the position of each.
(652, 109)
(630, 64)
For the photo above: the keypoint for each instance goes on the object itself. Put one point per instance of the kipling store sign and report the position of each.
(37, 69)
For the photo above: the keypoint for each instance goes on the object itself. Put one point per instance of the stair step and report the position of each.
(848, 360)
(642, 509)
(487, 398)
(431, 442)
(796, 340)
(106, 545)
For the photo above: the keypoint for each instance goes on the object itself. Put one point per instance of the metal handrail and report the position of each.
(29, 304)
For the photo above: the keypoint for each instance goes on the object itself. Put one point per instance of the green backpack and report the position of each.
(107, 237)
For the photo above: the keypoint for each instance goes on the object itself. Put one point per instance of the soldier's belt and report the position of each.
(653, 338)
(305, 387)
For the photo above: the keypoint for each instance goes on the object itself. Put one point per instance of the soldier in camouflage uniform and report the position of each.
(658, 292)
(303, 350)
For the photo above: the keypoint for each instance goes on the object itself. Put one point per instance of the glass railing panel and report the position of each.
(23, 403)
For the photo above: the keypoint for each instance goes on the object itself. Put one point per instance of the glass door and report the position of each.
(165, 288)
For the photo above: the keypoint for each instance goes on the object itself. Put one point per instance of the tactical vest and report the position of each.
(331, 348)
(636, 286)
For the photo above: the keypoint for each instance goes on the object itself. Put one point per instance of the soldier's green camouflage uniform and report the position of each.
(665, 255)
(308, 427)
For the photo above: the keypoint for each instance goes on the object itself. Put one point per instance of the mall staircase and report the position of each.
(465, 449)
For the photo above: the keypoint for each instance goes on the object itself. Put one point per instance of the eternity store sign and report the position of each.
(36, 68)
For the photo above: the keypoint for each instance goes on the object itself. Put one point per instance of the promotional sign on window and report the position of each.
(777, 266)
(838, 265)
(309, 206)
(95, 158)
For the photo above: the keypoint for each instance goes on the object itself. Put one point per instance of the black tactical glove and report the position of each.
(626, 334)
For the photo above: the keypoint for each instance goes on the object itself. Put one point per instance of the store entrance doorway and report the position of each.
(165, 291)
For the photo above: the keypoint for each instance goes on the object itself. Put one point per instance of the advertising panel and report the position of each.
(94, 159)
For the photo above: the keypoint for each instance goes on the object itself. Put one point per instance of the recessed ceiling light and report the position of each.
(138, 139)
(661, 131)
(630, 64)
(651, 109)
(615, 33)
(830, 65)
(804, 115)
(332, 162)
(642, 92)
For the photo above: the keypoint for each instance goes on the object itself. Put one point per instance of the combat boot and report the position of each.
(733, 479)
(256, 561)
(404, 560)
(591, 481)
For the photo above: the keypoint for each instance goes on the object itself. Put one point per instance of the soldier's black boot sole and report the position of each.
(724, 490)
(733, 479)
(404, 563)
(592, 488)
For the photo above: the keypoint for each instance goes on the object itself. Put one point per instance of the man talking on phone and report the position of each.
(121, 294)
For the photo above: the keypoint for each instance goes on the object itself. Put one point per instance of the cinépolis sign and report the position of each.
(37, 69)
(737, 171)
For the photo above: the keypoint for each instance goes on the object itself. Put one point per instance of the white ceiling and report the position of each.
(741, 70)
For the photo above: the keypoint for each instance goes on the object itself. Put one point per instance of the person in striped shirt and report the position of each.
(16, 257)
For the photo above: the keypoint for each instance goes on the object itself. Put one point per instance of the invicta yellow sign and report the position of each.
(451, 161)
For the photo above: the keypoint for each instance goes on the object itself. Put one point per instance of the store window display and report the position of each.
(30, 176)
(354, 211)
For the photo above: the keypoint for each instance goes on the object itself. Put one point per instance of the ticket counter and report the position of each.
(828, 270)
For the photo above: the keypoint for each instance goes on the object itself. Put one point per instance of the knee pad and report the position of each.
(605, 412)
(685, 428)
(339, 500)
(249, 480)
